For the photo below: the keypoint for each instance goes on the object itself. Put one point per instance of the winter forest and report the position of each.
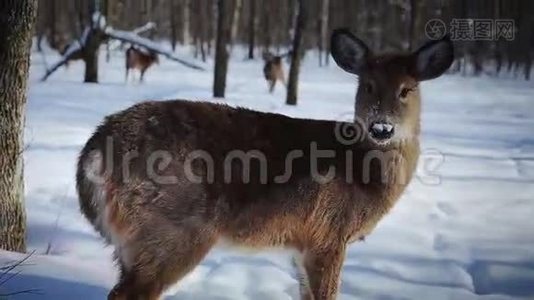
(435, 95)
(271, 26)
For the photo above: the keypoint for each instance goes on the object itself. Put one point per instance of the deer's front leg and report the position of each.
(323, 268)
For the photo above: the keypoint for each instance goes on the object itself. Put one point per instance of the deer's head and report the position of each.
(154, 57)
(267, 56)
(388, 98)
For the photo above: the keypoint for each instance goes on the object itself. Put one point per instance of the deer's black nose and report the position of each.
(381, 130)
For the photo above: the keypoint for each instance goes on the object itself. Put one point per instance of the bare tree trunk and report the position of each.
(186, 21)
(40, 27)
(528, 66)
(146, 14)
(252, 25)
(204, 29)
(110, 19)
(52, 28)
(235, 21)
(266, 26)
(416, 23)
(296, 55)
(90, 50)
(323, 44)
(196, 26)
(212, 25)
(173, 9)
(90, 55)
(195, 43)
(15, 42)
(221, 51)
(90, 58)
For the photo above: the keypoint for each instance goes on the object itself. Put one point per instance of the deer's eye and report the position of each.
(404, 93)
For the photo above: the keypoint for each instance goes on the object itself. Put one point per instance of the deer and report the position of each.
(164, 182)
(273, 69)
(139, 59)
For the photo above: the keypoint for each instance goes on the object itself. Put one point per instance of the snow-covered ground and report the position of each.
(463, 230)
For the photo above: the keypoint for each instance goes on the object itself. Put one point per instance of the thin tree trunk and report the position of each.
(266, 27)
(528, 66)
(186, 21)
(416, 26)
(108, 13)
(212, 26)
(173, 9)
(90, 55)
(252, 25)
(90, 50)
(40, 26)
(15, 43)
(203, 49)
(146, 14)
(221, 51)
(296, 55)
(90, 59)
(52, 27)
(412, 24)
(195, 43)
(204, 29)
(323, 46)
(235, 21)
(195, 27)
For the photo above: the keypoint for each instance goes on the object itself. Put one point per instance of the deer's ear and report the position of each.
(349, 52)
(433, 59)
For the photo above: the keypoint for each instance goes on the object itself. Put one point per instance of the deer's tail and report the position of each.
(92, 184)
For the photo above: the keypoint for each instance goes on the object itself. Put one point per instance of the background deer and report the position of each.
(162, 223)
(140, 59)
(273, 70)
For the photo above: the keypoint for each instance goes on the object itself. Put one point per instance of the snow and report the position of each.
(462, 230)
(148, 26)
(132, 37)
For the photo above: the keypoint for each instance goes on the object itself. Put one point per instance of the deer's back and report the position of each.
(137, 59)
(158, 137)
(273, 69)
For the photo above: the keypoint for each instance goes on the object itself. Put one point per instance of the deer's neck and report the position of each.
(386, 180)
(391, 168)
(361, 162)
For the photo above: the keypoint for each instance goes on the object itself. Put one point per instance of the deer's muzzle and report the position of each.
(381, 131)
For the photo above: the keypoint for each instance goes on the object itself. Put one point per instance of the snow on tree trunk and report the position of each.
(15, 42)
(87, 48)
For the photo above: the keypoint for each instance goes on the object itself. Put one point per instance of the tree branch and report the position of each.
(74, 49)
(134, 39)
